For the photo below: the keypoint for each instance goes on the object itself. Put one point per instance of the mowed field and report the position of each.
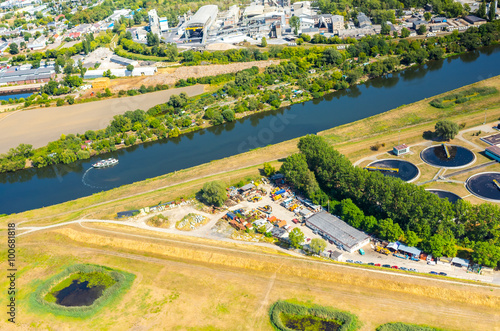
(40, 126)
(193, 284)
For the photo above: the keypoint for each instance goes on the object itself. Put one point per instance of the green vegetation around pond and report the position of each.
(399, 326)
(288, 316)
(104, 284)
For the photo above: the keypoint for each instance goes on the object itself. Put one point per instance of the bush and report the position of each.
(123, 281)
(399, 326)
(214, 193)
(348, 321)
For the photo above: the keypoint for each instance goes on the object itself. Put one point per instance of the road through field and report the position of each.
(293, 255)
(41, 125)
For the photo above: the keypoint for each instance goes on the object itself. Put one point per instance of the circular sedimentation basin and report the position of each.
(452, 197)
(448, 156)
(485, 185)
(401, 169)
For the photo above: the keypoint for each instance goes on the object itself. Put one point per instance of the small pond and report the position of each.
(298, 322)
(78, 294)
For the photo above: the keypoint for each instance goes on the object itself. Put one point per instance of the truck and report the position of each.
(361, 251)
(277, 197)
(382, 250)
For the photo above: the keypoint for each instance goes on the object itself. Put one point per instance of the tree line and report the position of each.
(392, 209)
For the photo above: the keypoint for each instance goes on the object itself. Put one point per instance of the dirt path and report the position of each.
(291, 255)
(42, 125)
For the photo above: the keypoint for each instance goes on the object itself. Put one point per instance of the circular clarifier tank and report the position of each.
(401, 169)
(448, 156)
(485, 185)
(452, 197)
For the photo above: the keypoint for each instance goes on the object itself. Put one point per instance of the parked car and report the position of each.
(350, 261)
(431, 262)
(394, 267)
(403, 268)
(308, 239)
(433, 272)
(442, 274)
(413, 270)
(295, 221)
(358, 262)
(378, 265)
(386, 265)
(371, 263)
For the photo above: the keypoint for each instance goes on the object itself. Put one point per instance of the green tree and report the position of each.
(317, 245)
(297, 172)
(481, 11)
(411, 238)
(228, 115)
(60, 102)
(350, 213)
(214, 193)
(130, 67)
(492, 11)
(332, 56)
(269, 170)
(295, 24)
(263, 42)
(422, 29)
(13, 49)
(446, 129)
(427, 16)
(152, 39)
(486, 254)
(435, 245)
(296, 238)
(405, 33)
(385, 29)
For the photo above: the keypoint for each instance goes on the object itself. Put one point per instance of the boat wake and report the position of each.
(89, 184)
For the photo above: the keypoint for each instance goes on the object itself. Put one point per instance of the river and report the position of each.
(34, 188)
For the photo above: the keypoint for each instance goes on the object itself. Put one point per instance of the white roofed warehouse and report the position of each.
(202, 19)
(342, 234)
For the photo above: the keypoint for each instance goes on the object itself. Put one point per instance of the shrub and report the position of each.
(123, 281)
(348, 321)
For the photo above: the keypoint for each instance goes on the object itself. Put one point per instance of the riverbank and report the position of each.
(356, 144)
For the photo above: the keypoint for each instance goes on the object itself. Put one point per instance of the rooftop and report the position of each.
(204, 15)
(400, 147)
(474, 19)
(494, 150)
(338, 229)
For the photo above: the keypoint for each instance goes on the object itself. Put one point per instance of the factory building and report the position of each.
(154, 22)
(202, 20)
(334, 229)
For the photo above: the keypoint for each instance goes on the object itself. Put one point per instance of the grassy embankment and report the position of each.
(354, 140)
(233, 285)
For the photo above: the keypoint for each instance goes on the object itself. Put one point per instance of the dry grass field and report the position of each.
(191, 284)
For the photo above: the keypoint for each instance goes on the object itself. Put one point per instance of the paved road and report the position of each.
(41, 125)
